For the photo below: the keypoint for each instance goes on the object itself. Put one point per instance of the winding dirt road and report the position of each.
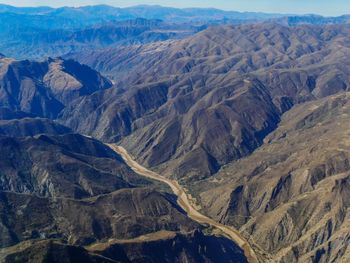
(185, 204)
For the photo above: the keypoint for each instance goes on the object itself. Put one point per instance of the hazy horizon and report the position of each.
(322, 7)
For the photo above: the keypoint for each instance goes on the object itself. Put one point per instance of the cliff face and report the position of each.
(291, 195)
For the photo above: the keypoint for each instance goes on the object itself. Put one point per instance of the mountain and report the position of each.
(111, 216)
(44, 88)
(188, 107)
(31, 127)
(312, 20)
(193, 14)
(24, 10)
(88, 15)
(171, 248)
(247, 123)
(78, 192)
(28, 166)
(72, 196)
(291, 195)
(34, 33)
(191, 247)
(52, 251)
(34, 43)
(7, 114)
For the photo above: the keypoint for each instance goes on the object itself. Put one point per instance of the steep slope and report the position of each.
(61, 192)
(122, 214)
(44, 88)
(206, 110)
(51, 252)
(222, 50)
(70, 166)
(7, 114)
(190, 247)
(21, 124)
(163, 246)
(31, 127)
(187, 107)
(78, 190)
(291, 195)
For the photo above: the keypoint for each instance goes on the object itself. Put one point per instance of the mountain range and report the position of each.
(246, 114)
(212, 97)
(39, 32)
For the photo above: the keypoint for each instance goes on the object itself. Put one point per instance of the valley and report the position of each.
(151, 134)
(185, 204)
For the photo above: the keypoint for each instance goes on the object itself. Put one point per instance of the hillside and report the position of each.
(291, 196)
(187, 107)
(207, 136)
(44, 88)
(61, 193)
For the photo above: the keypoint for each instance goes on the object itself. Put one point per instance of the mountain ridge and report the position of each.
(172, 97)
(246, 121)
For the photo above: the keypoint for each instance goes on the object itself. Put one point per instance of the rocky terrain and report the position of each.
(44, 88)
(192, 247)
(77, 192)
(254, 106)
(291, 195)
(188, 107)
(62, 193)
(31, 127)
(248, 120)
(52, 251)
(160, 247)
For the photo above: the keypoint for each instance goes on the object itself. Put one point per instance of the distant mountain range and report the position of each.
(88, 15)
(37, 43)
(43, 31)
(37, 32)
(76, 17)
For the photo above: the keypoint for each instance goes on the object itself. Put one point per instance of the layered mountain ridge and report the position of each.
(290, 196)
(34, 33)
(62, 192)
(193, 105)
(250, 119)
(37, 43)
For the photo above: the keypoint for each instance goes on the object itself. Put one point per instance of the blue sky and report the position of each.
(324, 7)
